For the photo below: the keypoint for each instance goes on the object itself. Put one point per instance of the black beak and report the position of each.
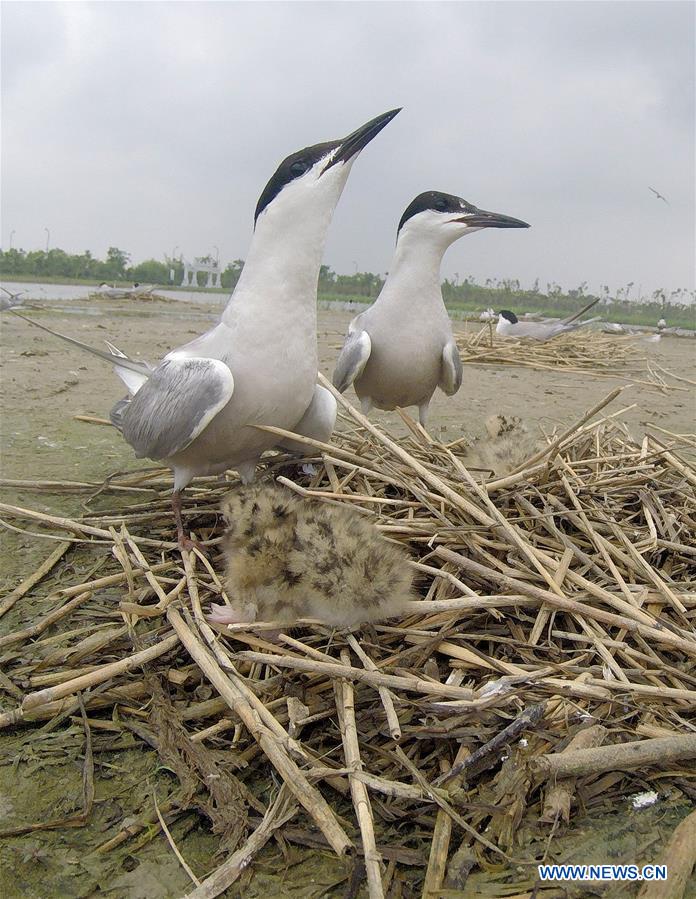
(482, 219)
(354, 143)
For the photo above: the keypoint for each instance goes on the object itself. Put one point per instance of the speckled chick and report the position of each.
(288, 557)
(507, 445)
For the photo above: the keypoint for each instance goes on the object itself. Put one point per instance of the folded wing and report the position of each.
(179, 399)
(353, 358)
(451, 370)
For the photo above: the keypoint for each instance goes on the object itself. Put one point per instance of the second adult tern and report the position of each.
(402, 348)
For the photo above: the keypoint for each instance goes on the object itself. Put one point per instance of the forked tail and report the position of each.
(124, 366)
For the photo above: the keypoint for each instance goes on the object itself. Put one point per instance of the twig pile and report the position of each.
(557, 615)
(603, 355)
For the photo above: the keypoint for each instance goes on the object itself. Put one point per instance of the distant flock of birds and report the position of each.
(203, 408)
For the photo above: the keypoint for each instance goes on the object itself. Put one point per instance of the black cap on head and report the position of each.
(437, 201)
(294, 166)
(510, 316)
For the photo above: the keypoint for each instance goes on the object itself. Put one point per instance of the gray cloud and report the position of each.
(157, 124)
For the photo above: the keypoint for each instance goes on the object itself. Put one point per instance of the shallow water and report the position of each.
(49, 293)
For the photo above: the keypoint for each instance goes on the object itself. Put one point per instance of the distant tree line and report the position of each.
(56, 263)
(509, 294)
(360, 286)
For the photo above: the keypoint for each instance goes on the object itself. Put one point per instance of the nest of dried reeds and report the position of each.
(550, 664)
(586, 350)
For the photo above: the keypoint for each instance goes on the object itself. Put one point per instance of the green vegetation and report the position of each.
(679, 308)
(57, 263)
(462, 297)
(58, 267)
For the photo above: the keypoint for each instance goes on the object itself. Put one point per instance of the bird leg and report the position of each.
(185, 542)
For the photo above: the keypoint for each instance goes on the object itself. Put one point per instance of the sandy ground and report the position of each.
(46, 382)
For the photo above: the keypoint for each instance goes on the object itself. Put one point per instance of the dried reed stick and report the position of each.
(560, 793)
(662, 751)
(384, 694)
(307, 795)
(283, 809)
(679, 857)
(373, 678)
(33, 579)
(99, 675)
(345, 708)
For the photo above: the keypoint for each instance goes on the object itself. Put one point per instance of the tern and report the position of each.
(197, 411)
(122, 293)
(12, 299)
(398, 351)
(658, 195)
(510, 326)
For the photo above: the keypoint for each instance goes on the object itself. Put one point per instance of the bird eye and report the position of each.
(298, 168)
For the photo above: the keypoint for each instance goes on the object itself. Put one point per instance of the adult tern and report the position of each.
(402, 348)
(510, 326)
(197, 410)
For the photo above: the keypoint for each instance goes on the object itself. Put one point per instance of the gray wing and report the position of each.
(451, 370)
(542, 331)
(352, 360)
(179, 399)
(587, 321)
(571, 318)
(118, 410)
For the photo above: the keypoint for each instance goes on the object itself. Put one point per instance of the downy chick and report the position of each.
(288, 557)
(507, 445)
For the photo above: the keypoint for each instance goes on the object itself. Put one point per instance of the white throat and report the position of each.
(415, 268)
(281, 270)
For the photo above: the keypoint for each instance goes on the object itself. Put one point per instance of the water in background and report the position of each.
(56, 293)
(43, 293)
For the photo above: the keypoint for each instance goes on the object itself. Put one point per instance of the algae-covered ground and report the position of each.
(46, 383)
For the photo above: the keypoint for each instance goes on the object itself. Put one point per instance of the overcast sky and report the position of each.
(153, 125)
